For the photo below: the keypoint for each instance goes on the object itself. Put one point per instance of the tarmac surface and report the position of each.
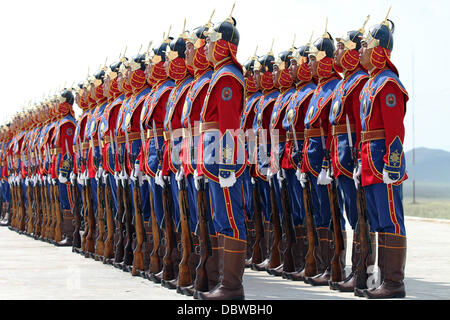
(32, 269)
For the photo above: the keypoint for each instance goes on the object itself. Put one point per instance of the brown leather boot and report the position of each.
(67, 229)
(342, 259)
(213, 266)
(193, 261)
(348, 284)
(360, 286)
(394, 259)
(265, 246)
(251, 235)
(233, 261)
(323, 261)
(176, 258)
(299, 250)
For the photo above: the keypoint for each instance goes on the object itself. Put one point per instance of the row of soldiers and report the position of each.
(186, 167)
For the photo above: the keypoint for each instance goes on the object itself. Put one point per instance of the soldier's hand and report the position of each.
(196, 178)
(303, 179)
(357, 174)
(323, 178)
(387, 179)
(62, 179)
(159, 179)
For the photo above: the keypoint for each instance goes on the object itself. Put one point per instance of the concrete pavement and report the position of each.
(31, 269)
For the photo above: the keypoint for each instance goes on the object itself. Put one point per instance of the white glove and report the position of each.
(99, 174)
(196, 178)
(117, 178)
(61, 178)
(357, 176)
(279, 176)
(27, 181)
(73, 178)
(303, 179)
(49, 179)
(146, 177)
(298, 174)
(228, 182)
(179, 176)
(53, 182)
(252, 180)
(10, 178)
(124, 178)
(386, 178)
(323, 178)
(136, 175)
(159, 179)
(269, 174)
(104, 177)
(80, 178)
(18, 180)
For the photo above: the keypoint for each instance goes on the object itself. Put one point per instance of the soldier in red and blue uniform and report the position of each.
(5, 188)
(253, 95)
(293, 123)
(108, 124)
(285, 85)
(190, 119)
(318, 133)
(345, 108)
(153, 114)
(178, 71)
(223, 167)
(64, 134)
(382, 170)
(263, 110)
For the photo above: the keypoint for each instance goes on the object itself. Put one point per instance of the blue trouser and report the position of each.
(277, 191)
(247, 189)
(228, 209)
(264, 194)
(65, 198)
(93, 195)
(192, 201)
(112, 183)
(296, 193)
(384, 203)
(176, 206)
(347, 199)
(320, 202)
(156, 191)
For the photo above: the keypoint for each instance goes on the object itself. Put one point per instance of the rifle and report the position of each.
(37, 195)
(76, 239)
(100, 243)
(58, 215)
(109, 242)
(14, 201)
(138, 219)
(45, 207)
(84, 200)
(184, 273)
(170, 240)
(362, 227)
(120, 226)
(311, 232)
(90, 228)
(257, 251)
(29, 204)
(275, 255)
(127, 219)
(21, 204)
(337, 269)
(155, 261)
(51, 199)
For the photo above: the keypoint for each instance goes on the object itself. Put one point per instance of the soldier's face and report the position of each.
(364, 56)
(209, 47)
(275, 74)
(166, 65)
(106, 86)
(92, 91)
(148, 70)
(340, 50)
(189, 52)
(313, 65)
(293, 68)
(128, 75)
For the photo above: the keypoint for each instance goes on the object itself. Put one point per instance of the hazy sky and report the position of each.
(47, 43)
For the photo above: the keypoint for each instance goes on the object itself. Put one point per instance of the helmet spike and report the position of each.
(385, 22)
(271, 47)
(293, 42)
(364, 25)
(310, 39)
(209, 24)
(230, 18)
(140, 48)
(256, 49)
(149, 45)
(326, 35)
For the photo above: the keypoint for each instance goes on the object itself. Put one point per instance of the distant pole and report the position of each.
(414, 134)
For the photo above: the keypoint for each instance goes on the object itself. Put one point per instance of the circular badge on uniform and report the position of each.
(69, 131)
(391, 100)
(227, 94)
